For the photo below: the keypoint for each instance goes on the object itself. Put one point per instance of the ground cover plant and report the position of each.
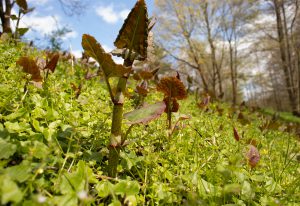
(53, 142)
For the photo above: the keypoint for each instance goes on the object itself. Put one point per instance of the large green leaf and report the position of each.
(145, 114)
(19, 172)
(127, 188)
(134, 32)
(94, 50)
(6, 149)
(10, 191)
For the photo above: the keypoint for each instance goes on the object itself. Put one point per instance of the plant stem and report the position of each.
(169, 113)
(16, 35)
(115, 143)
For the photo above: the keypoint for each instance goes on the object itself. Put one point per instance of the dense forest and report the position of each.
(203, 110)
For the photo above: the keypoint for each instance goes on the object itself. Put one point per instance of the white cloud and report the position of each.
(110, 15)
(77, 53)
(70, 35)
(118, 60)
(107, 48)
(41, 24)
(124, 13)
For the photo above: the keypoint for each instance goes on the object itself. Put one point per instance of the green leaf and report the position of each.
(94, 50)
(22, 31)
(232, 188)
(145, 114)
(19, 113)
(127, 188)
(206, 187)
(134, 32)
(13, 17)
(247, 192)
(131, 200)
(40, 150)
(104, 188)
(20, 172)
(68, 199)
(6, 149)
(37, 126)
(10, 191)
(76, 181)
(115, 203)
(3, 132)
(17, 127)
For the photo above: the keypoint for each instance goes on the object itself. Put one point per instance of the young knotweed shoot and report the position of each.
(143, 77)
(131, 45)
(36, 67)
(236, 134)
(252, 156)
(173, 90)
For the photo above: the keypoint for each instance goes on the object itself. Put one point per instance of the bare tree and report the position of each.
(189, 31)
(235, 15)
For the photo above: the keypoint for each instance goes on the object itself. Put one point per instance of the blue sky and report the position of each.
(102, 19)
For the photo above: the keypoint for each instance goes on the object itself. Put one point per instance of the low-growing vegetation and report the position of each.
(66, 140)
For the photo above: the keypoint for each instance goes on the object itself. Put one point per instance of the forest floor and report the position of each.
(53, 147)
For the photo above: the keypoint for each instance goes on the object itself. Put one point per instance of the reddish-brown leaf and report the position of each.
(146, 75)
(141, 90)
(51, 65)
(172, 87)
(93, 49)
(174, 105)
(134, 32)
(252, 156)
(205, 102)
(236, 134)
(252, 142)
(22, 4)
(136, 76)
(29, 66)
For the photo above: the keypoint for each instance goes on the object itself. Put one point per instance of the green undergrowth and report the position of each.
(284, 116)
(53, 149)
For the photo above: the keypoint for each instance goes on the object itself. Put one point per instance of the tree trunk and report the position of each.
(288, 47)
(284, 60)
(186, 35)
(232, 73)
(298, 67)
(5, 16)
(216, 68)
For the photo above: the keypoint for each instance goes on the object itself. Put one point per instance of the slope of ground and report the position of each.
(53, 149)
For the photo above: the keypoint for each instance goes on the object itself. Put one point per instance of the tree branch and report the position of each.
(180, 59)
